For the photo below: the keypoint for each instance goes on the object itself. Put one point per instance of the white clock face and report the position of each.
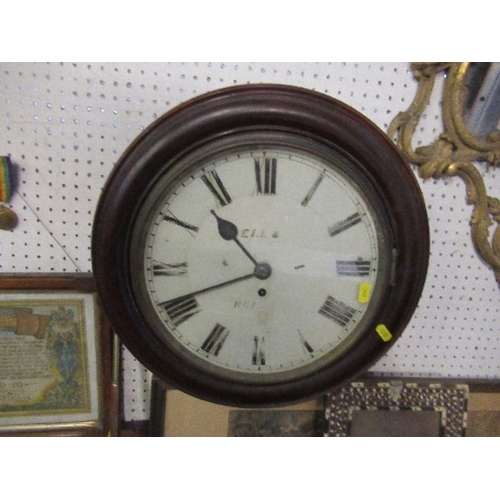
(262, 261)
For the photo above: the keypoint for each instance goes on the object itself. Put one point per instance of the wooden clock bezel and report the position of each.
(233, 111)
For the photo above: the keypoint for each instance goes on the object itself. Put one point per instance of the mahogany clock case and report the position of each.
(267, 110)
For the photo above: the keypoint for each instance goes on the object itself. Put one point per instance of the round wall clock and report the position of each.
(260, 245)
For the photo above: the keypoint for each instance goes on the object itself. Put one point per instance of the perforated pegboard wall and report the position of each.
(64, 125)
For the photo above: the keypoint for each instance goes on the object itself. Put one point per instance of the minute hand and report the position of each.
(229, 232)
(210, 288)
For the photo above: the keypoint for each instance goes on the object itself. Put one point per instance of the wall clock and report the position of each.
(260, 245)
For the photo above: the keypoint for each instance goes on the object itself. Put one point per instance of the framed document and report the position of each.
(58, 358)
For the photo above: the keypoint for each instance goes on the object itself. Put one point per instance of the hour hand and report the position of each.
(228, 231)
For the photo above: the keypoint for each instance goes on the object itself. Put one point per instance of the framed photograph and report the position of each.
(176, 414)
(58, 358)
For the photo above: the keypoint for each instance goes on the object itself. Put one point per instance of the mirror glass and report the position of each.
(482, 105)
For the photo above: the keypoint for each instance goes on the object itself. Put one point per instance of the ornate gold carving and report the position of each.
(454, 152)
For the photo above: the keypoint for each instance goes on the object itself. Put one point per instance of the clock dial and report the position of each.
(268, 284)
(260, 245)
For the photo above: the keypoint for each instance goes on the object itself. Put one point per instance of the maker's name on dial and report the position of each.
(258, 233)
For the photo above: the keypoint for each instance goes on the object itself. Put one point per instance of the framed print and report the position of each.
(177, 414)
(58, 358)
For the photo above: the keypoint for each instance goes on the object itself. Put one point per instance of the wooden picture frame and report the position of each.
(58, 358)
(415, 407)
(393, 408)
(177, 414)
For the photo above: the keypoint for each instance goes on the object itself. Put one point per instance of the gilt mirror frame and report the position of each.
(460, 147)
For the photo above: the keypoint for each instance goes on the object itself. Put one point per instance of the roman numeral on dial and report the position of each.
(214, 342)
(341, 226)
(217, 188)
(353, 267)
(181, 309)
(174, 220)
(311, 191)
(266, 170)
(337, 311)
(162, 269)
(258, 356)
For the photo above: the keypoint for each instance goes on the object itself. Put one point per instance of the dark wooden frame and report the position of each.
(164, 422)
(107, 353)
(239, 110)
